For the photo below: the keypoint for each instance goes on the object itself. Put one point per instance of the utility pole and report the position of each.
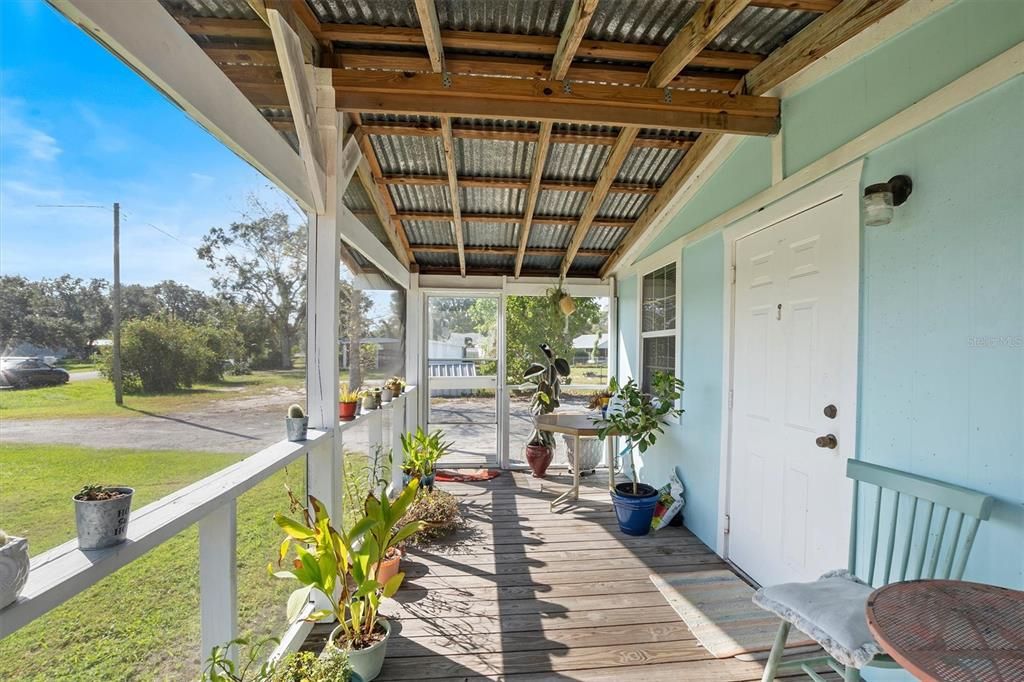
(116, 294)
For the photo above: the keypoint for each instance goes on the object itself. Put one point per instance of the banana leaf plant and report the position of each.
(342, 566)
(547, 377)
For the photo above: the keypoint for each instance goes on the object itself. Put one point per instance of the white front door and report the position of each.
(795, 294)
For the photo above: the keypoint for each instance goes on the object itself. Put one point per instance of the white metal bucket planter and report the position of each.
(103, 523)
(591, 453)
(14, 565)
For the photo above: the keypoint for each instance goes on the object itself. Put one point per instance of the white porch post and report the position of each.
(218, 580)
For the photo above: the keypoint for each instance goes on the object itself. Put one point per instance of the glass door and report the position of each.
(583, 341)
(462, 375)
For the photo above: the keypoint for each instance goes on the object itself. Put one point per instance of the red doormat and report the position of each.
(453, 476)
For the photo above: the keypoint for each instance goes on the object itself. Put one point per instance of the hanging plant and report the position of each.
(562, 301)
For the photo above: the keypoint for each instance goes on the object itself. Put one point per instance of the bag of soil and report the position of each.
(670, 502)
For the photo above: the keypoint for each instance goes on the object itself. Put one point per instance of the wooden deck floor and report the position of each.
(526, 594)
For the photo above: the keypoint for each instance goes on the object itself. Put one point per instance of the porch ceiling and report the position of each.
(602, 110)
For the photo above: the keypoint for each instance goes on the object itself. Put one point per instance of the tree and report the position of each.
(533, 320)
(66, 312)
(262, 263)
(353, 308)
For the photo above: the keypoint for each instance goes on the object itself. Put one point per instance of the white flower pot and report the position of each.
(591, 452)
(367, 662)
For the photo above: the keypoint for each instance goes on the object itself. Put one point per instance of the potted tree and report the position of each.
(14, 565)
(639, 417)
(348, 401)
(343, 568)
(101, 515)
(296, 424)
(547, 377)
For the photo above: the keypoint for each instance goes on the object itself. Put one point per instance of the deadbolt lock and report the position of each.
(831, 411)
(828, 441)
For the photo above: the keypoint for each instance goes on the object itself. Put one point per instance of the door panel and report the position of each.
(789, 499)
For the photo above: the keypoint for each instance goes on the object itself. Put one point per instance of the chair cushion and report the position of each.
(831, 610)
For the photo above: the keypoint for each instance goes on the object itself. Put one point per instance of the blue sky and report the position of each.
(79, 127)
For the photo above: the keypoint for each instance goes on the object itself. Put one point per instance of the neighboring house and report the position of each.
(585, 352)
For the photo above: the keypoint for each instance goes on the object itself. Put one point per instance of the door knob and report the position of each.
(831, 411)
(828, 441)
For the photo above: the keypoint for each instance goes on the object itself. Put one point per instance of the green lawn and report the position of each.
(141, 623)
(95, 397)
(74, 365)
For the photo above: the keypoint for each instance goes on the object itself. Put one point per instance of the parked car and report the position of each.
(26, 372)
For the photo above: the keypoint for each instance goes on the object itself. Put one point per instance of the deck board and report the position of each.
(522, 593)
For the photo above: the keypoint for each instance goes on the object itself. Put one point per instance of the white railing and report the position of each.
(64, 571)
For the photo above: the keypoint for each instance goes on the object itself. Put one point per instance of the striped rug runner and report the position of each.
(716, 606)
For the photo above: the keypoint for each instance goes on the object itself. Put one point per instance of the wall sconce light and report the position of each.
(880, 198)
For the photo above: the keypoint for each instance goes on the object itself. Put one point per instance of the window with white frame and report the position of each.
(658, 324)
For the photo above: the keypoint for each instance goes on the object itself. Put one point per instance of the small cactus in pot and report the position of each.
(101, 515)
(14, 566)
(296, 424)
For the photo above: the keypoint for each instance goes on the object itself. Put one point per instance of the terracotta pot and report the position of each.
(539, 458)
(388, 568)
(567, 305)
(347, 411)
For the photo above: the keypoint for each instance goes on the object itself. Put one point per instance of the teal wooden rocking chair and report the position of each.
(931, 530)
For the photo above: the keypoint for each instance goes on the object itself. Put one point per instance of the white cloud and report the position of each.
(106, 138)
(22, 136)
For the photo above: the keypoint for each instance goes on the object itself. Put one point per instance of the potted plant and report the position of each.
(392, 387)
(599, 400)
(101, 515)
(14, 566)
(639, 419)
(546, 376)
(348, 401)
(369, 399)
(296, 424)
(258, 665)
(562, 300)
(422, 453)
(343, 567)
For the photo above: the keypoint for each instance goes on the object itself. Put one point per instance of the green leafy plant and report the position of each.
(97, 493)
(423, 451)
(305, 666)
(641, 418)
(547, 377)
(221, 668)
(295, 412)
(328, 561)
(347, 395)
(396, 384)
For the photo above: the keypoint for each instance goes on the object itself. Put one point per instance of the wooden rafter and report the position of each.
(503, 250)
(572, 33)
(516, 183)
(821, 37)
(448, 142)
(480, 96)
(427, 13)
(702, 27)
(371, 178)
(445, 216)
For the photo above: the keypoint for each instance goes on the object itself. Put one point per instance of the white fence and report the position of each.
(64, 571)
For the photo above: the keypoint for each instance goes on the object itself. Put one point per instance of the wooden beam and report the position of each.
(302, 100)
(504, 250)
(572, 33)
(242, 56)
(427, 13)
(508, 43)
(711, 17)
(554, 101)
(466, 131)
(524, 67)
(819, 38)
(448, 142)
(516, 183)
(371, 177)
(540, 156)
(438, 216)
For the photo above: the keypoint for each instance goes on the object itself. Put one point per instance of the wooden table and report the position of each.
(578, 426)
(951, 630)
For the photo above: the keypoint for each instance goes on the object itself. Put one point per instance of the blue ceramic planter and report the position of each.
(634, 513)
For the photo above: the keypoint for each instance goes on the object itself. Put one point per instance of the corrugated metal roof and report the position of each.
(429, 232)
(640, 21)
(432, 198)
(492, 200)
(569, 204)
(532, 262)
(760, 30)
(575, 161)
(222, 9)
(528, 17)
(605, 238)
(649, 165)
(588, 264)
(491, 234)
(408, 155)
(438, 260)
(627, 206)
(493, 158)
(549, 236)
(491, 261)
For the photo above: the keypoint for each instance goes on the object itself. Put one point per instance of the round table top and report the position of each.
(951, 630)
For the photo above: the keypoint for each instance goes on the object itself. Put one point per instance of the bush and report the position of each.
(439, 509)
(159, 355)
